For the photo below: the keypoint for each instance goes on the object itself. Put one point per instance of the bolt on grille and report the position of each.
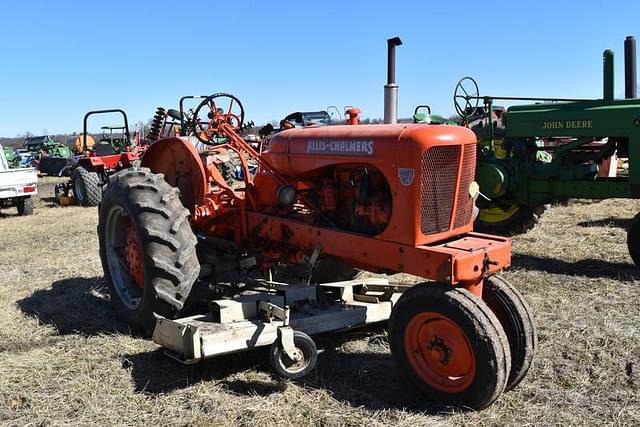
(464, 202)
(437, 187)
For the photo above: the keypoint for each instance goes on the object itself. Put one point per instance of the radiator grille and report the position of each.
(437, 187)
(464, 204)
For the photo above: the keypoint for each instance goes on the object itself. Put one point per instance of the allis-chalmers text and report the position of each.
(347, 147)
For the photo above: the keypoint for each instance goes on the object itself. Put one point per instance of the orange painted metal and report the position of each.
(353, 116)
(180, 163)
(392, 149)
(428, 227)
(439, 352)
(465, 260)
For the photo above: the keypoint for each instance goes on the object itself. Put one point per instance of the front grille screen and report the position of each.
(437, 187)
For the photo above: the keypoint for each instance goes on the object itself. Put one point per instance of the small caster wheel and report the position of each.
(302, 362)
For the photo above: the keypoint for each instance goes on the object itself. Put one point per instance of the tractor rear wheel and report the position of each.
(449, 345)
(86, 187)
(633, 240)
(516, 319)
(147, 247)
(25, 206)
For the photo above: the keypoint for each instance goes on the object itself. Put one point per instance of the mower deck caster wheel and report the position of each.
(298, 364)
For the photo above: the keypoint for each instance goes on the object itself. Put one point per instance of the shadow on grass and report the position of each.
(78, 305)
(368, 379)
(49, 201)
(594, 268)
(623, 223)
(155, 373)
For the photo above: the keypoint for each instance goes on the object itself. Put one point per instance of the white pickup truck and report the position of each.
(17, 186)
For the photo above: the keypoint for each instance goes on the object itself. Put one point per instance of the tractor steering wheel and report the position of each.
(469, 93)
(220, 108)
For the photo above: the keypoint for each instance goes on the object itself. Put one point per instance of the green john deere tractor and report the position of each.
(553, 150)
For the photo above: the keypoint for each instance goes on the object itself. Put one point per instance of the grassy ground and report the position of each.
(65, 359)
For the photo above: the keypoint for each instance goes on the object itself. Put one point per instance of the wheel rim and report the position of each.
(124, 258)
(78, 189)
(439, 352)
(292, 366)
(496, 214)
(133, 254)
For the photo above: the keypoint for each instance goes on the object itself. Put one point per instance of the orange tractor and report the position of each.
(324, 204)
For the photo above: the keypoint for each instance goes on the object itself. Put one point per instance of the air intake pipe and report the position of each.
(607, 74)
(630, 74)
(391, 88)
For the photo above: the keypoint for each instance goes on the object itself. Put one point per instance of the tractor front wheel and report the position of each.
(449, 345)
(86, 187)
(147, 247)
(516, 319)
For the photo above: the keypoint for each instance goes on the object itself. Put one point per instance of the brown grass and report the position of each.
(65, 358)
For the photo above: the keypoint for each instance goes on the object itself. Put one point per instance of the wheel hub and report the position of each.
(439, 352)
(133, 255)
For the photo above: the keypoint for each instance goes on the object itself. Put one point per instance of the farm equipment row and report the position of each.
(272, 234)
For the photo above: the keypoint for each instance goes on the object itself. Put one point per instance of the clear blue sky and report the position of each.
(62, 58)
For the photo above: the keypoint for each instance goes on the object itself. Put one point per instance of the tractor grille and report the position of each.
(438, 186)
(464, 204)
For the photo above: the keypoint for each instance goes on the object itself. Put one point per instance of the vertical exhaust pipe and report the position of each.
(607, 73)
(630, 74)
(391, 88)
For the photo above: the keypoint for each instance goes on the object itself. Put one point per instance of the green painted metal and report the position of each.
(12, 160)
(433, 119)
(607, 66)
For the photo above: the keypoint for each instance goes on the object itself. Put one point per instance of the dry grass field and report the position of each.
(65, 358)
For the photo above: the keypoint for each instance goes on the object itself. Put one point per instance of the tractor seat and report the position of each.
(174, 114)
(103, 148)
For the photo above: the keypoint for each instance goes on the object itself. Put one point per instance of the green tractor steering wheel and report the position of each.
(466, 97)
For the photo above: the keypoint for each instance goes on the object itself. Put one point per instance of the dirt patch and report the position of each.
(66, 359)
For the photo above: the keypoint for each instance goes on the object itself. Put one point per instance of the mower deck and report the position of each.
(253, 320)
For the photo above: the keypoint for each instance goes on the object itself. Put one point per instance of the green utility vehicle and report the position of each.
(553, 150)
(49, 155)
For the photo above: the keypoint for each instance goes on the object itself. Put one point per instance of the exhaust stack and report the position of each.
(630, 74)
(391, 88)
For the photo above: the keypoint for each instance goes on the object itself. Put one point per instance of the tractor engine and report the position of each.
(349, 197)
(403, 183)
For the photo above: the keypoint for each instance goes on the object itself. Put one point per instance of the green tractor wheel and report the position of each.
(508, 220)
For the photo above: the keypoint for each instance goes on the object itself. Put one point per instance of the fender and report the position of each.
(180, 163)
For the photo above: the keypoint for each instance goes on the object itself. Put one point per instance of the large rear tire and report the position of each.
(86, 187)
(633, 240)
(147, 247)
(449, 345)
(516, 319)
